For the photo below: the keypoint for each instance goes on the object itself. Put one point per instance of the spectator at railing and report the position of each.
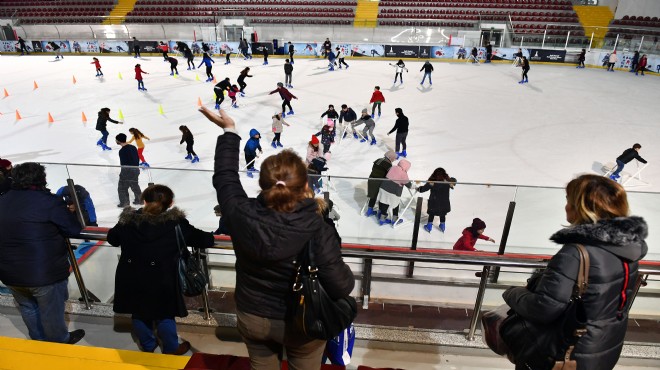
(5, 176)
(597, 209)
(270, 232)
(86, 203)
(147, 277)
(34, 254)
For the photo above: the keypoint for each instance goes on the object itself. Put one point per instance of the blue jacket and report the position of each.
(88, 209)
(206, 60)
(33, 226)
(252, 144)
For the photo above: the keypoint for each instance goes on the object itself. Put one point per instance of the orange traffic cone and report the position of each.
(6, 93)
(199, 102)
(18, 115)
(50, 118)
(35, 85)
(214, 79)
(84, 117)
(74, 80)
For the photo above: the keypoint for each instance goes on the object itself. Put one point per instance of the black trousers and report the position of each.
(128, 178)
(219, 95)
(524, 73)
(382, 207)
(242, 84)
(189, 148)
(291, 57)
(443, 218)
(277, 137)
(208, 71)
(249, 160)
(136, 50)
(165, 55)
(341, 61)
(286, 103)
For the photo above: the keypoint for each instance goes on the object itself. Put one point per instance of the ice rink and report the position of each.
(477, 122)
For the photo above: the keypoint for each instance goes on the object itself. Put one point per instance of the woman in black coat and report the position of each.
(378, 171)
(597, 209)
(147, 281)
(269, 233)
(438, 204)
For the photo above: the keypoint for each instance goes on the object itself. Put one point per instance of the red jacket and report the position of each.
(163, 48)
(97, 63)
(377, 96)
(138, 73)
(642, 63)
(468, 240)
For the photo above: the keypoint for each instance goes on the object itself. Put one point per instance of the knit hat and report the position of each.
(121, 138)
(330, 123)
(365, 111)
(280, 84)
(391, 155)
(315, 140)
(4, 163)
(477, 224)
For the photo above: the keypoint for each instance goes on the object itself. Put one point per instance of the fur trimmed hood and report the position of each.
(135, 216)
(622, 236)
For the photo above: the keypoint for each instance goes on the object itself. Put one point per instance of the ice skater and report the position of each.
(625, 157)
(347, 117)
(525, 70)
(331, 113)
(164, 49)
(206, 59)
(331, 60)
(97, 64)
(250, 150)
(581, 58)
(340, 58)
(327, 134)
(227, 56)
(377, 99)
(138, 77)
(489, 52)
(173, 63)
(399, 67)
(137, 136)
(473, 56)
(265, 56)
(292, 51)
(327, 47)
(129, 173)
(428, 69)
(102, 126)
(389, 194)
(187, 137)
(187, 53)
(313, 150)
(136, 48)
(21, 44)
(401, 128)
(470, 235)
(288, 74)
(612, 61)
(641, 66)
(460, 54)
(278, 122)
(286, 98)
(56, 49)
(219, 90)
(633, 62)
(378, 172)
(233, 90)
(241, 79)
(439, 183)
(369, 126)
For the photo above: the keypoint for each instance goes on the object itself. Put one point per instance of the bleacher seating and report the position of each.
(630, 26)
(35, 12)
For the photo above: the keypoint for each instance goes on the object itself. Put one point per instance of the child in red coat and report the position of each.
(232, 95)
(138, 77)
(98, 67)
(376, 98)
(470, 236)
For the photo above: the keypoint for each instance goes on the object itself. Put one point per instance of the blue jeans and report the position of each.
(427, 74)
(619, 167)
(42, 309)
(104, 138)
(166, 328)
(140, 84)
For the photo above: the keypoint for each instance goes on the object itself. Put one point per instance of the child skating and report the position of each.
(369, 126)
(163, 49)
(399, 67)
(286, 98)
(187, 137)
(278, 121)
(241, 79)
(288, 74)
(137, 136)
(377, 99)
(251, 147)
(525, 69)
(227, 56)
(625, 158)
(138, 77)
(327, 134)
(206, 59)
(265, 56)
(233, 90)
(389, 194)
(470, 236)
(56, 49)
(173, 63)
(102, 126)
(97, 64)
(219, 91)
(340, 58)
(438, 204)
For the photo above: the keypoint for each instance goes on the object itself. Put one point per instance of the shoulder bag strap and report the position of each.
(180, 240)
(582, 281)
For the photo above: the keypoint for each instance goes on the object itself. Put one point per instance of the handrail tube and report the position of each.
(77, 274)
(478, 302)
(74, 195)
(418, 215)
(366, 282)
(505, 237)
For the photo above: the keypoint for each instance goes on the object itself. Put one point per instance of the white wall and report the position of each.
(611, 3)
(650, 8)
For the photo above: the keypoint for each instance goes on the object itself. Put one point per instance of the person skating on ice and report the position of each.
(347, 117)
(489, 52)
(474, 55)
(138, 136)
(138, 77)
(265, 56)
(56, 49)
(327, 47)
(208, 61)
(136, 48)
(625, 157)
(470, 235)
(461, 53)
(641, 66)
(340, 58)
(440, 184)
(227, 56)
(286, 98)
(292, 51)
(369, 126)
(399, 67)
(581, 58)
(102, 126)
(250, 150)
(129, 173)
(313, 150)
(187, 53)
(97, 64)
(525, 70)
(278, 122)
(612, 61)
(219, 90)
(327, 134)
(24, 49)
(187, 137)
(163, 49)
(401, 128)
(389, 194)
(288, 74)
(241, 79)
(173, 63)
(331, 60)
(233, 90)
(428, 69)
(518, 58)
(331, 113)
(377, 99)
(379, 170)
(634, 62)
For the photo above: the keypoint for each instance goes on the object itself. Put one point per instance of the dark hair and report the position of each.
(286, 60)
(289, 168)
(330, 106)
(184, 129)
(439, 175)
(377, 87)
(637, 146)
(398, 110)
(400, 61)
(245, 70)
(343, 106)
(136, 133)
(105, 110)
(29, 175)
(158, 199)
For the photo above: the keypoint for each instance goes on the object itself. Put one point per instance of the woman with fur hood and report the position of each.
(147, 281)
(598, 213)
(390, 191)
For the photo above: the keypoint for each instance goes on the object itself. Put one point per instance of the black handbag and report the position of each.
(192, 278)
(549, 346)
(313, 312)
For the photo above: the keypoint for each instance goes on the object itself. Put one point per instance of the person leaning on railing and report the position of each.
(597, 210)
(268, 233)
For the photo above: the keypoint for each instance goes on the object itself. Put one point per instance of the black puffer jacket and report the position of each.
(438, 203)
(267, 242)
(611, 244)
(378, 171)
(102, 121)
(146, 282)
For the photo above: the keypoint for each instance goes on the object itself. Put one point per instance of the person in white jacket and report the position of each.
(399, 66)
(278, 121)
(612, 62)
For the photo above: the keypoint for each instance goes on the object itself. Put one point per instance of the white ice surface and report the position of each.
(476, 121)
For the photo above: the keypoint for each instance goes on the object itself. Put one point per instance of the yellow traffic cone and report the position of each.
(160, 109)
(121, 115)
(120, 77)
(196, 78)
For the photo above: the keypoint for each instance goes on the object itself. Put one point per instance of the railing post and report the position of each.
(366, 282)
(418, 215)
(77, 274)
(616, 42)
(591, 41)
(544, 34)
(640, 44)
(568, 35)
(505, 236)
(522, 38)
(76, 201)
(478, 302)
(205, 294)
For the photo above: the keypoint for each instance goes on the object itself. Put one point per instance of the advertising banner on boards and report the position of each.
(540, 55)
(258, 48)
(401, 51)
(367, 50)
